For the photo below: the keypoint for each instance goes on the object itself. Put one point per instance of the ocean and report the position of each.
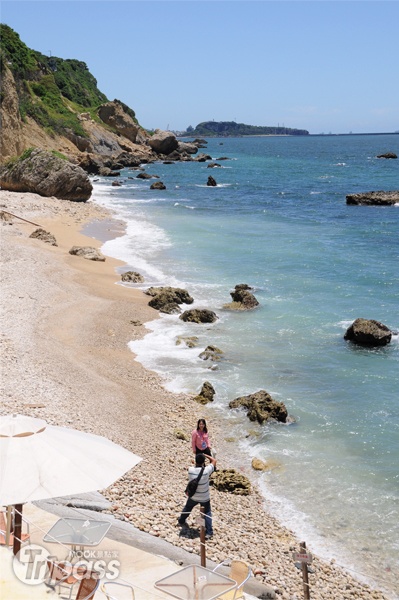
(278, 221)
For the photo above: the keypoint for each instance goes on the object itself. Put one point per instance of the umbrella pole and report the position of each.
(8, 525)
(17, 528)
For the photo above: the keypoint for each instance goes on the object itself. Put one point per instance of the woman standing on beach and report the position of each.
(200, 440)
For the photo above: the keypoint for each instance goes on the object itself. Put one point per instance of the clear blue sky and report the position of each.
(318, 65)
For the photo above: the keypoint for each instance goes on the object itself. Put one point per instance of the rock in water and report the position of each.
(379, 198)
(367, 332)
(261, 407)
(46, 174)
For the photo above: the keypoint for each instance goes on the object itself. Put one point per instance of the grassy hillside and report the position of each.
(51, 90)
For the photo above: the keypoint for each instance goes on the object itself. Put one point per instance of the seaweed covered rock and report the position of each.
(261, 407)
(47, 174)
(228, 480)
(199, 315)
(367, 332)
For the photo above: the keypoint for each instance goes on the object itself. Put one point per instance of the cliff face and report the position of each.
(54, 104)
(10, 120)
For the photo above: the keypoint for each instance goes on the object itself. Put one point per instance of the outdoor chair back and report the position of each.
(240, 571)
(65, 578)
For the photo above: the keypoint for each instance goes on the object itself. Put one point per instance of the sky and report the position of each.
(328, 67)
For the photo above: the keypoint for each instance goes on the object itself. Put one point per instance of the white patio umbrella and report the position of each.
(39, 461)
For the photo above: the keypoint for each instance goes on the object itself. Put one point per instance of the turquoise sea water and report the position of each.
(278, 221)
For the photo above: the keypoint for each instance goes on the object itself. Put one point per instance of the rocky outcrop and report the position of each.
(211, 181)
(375, 198)
(270, 465)
(163, 142)
(114, 115)
(206, 394)
(158, 185)
(167, 299)
(228, 480)
(199, 315)
(388, 155)
(211, 353)
(367, 332)
(187, 148)
(46, 174)
(132, 277)
(190, 341)
(261, 407)
(242, 298)
(44, 236)
(87, 252)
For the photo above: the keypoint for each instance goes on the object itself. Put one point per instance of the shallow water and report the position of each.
(278, 221)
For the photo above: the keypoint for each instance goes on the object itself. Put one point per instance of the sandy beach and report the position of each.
(66, 324)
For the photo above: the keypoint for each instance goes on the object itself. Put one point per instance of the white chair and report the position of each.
(240, 572)
(123, 590)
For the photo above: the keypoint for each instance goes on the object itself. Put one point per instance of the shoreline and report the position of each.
(68, 338)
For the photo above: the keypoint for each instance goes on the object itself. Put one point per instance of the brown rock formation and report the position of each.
(44, 173)
(261, 407)
(367, 332)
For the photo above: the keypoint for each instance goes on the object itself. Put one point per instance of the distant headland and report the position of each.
(233, 129)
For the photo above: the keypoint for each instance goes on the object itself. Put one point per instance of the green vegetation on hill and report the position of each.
(51, 90)
(232, 129)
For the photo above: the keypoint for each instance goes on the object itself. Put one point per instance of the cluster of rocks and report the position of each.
(242, 298)
(261, 407)
(168, 299)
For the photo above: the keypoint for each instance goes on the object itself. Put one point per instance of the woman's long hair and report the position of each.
(204, 422)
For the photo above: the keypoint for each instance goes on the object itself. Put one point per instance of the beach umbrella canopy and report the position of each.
(39, 461)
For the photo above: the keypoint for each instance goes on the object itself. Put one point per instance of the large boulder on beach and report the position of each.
(229, 480)
(367, 332)
(163, 142)
(261, 407)
(199, 315)
(47, 174)
(87, 252)
(374, 198)
(187, 148)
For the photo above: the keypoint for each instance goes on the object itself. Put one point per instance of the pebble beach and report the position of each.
(66, 324)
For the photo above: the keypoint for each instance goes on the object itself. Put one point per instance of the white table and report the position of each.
(195, 583)
(77, 533)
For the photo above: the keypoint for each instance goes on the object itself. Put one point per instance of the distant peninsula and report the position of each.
(233, 129)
